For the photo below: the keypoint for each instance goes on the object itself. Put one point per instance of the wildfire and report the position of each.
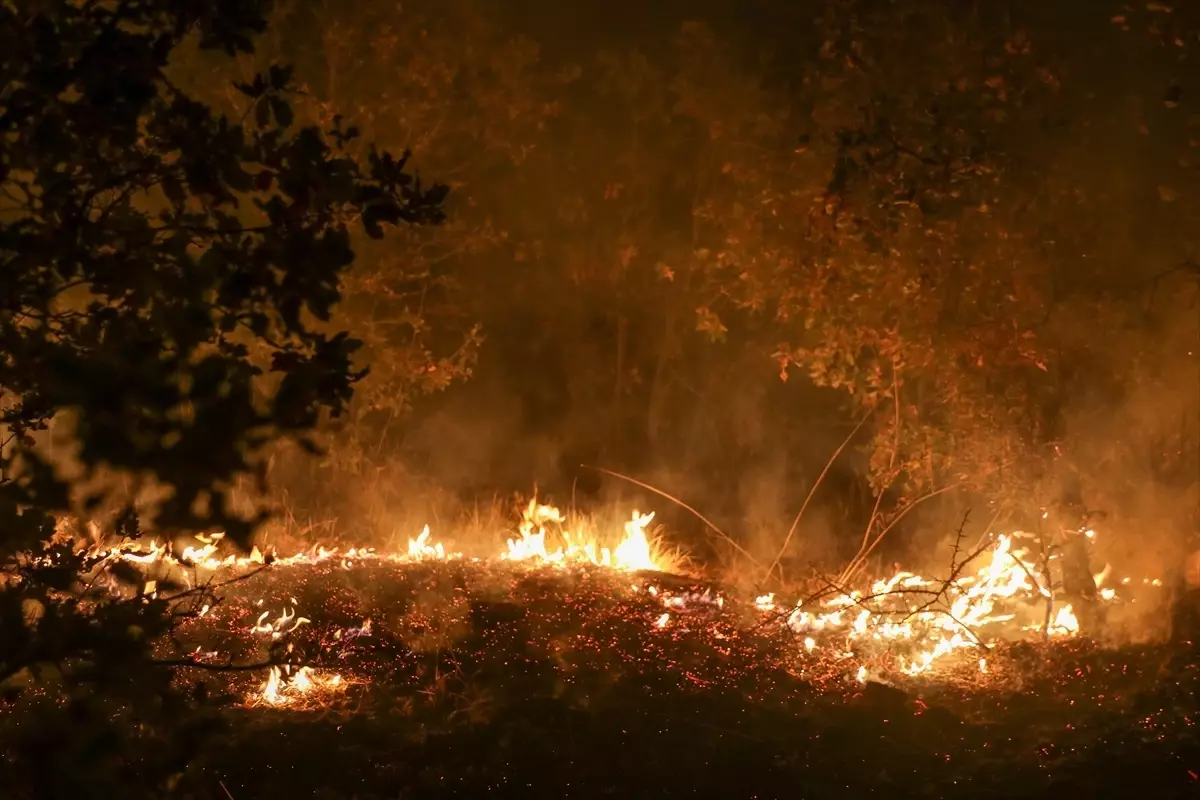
(633, 553)
(920, 620)
(302, 687)
(902, 624)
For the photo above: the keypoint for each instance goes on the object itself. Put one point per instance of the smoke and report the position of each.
(578, 139)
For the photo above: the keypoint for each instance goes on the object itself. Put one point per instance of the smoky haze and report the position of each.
(609, 164)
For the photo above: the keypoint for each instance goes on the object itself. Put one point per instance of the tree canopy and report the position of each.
(162, 263)
(712, 205)
(168, 276)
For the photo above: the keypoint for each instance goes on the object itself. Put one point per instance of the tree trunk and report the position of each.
(658, 384)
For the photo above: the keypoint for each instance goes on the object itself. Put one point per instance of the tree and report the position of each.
(168, 278)
(466, 98)
(964, 274)
(148, 241)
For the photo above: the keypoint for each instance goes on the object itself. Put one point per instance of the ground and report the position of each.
(483, 678)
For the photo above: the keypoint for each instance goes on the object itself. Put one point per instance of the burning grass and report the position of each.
(448, 672)
(458, 677)
(898, 627)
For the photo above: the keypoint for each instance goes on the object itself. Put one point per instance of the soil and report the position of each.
(473, 680)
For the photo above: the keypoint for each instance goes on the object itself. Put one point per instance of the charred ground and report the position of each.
(482, 679)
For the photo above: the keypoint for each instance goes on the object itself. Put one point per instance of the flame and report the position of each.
(1065, 623)
(276, 628)
(420, 548)
(914, 621)
(633, 553)
(286, 688)
(927, 620)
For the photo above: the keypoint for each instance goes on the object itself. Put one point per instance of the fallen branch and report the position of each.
(209, 585)
(865, 602)
(937, 600)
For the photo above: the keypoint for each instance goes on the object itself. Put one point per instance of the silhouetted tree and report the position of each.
(167, 276)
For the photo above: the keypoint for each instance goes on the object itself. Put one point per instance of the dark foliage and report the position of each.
(158, 258)
(166, 274)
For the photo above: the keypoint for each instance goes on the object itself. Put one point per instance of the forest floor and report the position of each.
(477, 679)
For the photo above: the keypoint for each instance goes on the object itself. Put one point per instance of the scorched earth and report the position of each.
(575, 664)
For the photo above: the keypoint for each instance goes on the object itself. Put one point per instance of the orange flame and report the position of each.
(633, 553)
(895, 615)
(300, 688)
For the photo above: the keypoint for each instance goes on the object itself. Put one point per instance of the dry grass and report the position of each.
(347, 504)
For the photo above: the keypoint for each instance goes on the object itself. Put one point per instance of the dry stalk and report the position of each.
(1046, 554)
(787, 540)
(860, 559)
(891, 458)
(724, 536)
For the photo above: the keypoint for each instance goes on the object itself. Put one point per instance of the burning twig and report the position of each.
(1046, 553)
(956, 568)
(1044, 591)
